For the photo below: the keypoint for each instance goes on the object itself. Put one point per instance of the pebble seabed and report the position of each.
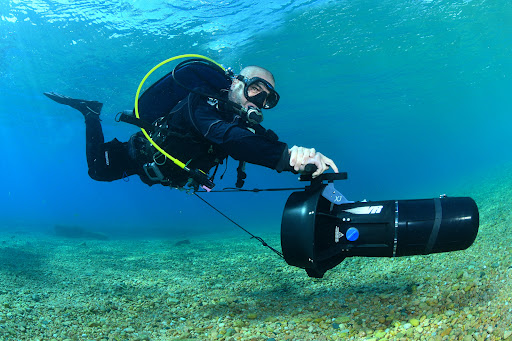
(231, 288)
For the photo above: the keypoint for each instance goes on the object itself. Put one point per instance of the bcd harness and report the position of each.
(156, 105)
(201, 154)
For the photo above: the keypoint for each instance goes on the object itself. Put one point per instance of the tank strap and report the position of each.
(127, 116)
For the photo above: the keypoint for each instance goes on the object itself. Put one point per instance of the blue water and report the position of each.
(411, 98)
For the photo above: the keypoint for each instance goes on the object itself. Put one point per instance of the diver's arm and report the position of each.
(259, 149)
(244, 145)
(237, 141)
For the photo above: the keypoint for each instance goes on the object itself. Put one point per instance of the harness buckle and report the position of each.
(153, 172)
(212, 101)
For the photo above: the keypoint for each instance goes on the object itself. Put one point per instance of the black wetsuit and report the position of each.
(222, 131)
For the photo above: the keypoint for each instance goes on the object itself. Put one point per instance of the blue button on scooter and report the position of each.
(352, 234)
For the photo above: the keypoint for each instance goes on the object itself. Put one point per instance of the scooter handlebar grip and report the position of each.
(309, 169)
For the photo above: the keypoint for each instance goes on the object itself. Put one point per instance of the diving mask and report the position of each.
(255, 91)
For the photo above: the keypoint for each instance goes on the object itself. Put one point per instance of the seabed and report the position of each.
(228, 287)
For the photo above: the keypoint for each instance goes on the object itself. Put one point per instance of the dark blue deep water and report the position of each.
(411, 98)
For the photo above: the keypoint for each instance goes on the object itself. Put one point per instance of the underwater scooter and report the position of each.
(320, 227)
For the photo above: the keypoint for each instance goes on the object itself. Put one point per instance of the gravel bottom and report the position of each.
(227, 287)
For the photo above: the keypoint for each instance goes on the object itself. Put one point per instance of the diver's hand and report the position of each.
(300, 157)
(322, 163)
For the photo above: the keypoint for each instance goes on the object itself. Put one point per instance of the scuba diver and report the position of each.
(200, 113)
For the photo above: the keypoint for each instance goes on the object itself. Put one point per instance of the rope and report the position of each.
(239, 226)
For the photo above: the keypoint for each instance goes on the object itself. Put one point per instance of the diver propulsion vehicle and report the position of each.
(320, 227)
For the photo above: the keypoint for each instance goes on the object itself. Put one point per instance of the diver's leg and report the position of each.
(94, 140)
(84, 106)
(106, 161)
(95, 147)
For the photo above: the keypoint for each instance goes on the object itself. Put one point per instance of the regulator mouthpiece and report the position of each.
(252, 115)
